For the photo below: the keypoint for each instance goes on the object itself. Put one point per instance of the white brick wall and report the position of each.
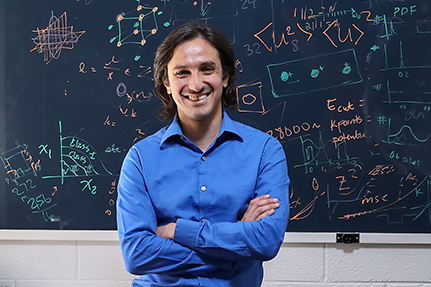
(62, 263)
(338, 265)
(43, 260)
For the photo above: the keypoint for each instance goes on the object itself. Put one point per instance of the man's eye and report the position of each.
(181, 73)
(208, 70)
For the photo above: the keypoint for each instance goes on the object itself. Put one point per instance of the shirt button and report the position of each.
(203, 158)
(203, 188)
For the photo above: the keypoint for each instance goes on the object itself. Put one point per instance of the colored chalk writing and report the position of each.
(342, 85)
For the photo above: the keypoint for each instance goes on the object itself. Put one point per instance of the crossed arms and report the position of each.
(196, 247)
(259, 207)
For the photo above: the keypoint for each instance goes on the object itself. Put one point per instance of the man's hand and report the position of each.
(166, 231)
(260, 207)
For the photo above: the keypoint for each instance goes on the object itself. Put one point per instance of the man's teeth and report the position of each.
(197, 98)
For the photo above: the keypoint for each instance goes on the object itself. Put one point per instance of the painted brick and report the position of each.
(38, 260)
(297, 262)
(4, 283)
(379, 263)
(101, 261)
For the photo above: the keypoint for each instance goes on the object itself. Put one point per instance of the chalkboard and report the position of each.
(344, 86)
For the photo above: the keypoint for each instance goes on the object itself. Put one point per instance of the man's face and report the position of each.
(196, 81)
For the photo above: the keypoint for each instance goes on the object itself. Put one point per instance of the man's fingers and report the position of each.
(261, 203)
(267, 213)
(266, 207)
(260, 207)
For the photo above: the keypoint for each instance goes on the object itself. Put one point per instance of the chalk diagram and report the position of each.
(56, 37)
(21, 169)
(406, 135)
(347, 185)
(413, 97)
(17, 163)
(314, 73)
(401, 60)
(78, 159)
(142, 22)
(417, 188)
(249, 98)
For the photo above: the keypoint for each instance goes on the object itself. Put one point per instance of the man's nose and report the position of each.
(196, 83)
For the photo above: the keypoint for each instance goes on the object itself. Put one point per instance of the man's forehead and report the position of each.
(194, 52)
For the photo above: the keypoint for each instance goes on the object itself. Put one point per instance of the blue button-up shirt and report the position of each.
(166, 178)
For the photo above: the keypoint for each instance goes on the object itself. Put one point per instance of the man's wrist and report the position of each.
(166, 231)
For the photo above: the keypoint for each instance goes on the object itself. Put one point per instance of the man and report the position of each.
(204, 200)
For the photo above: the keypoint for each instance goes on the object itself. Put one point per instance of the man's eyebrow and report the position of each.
(179, 67)
(206, 63)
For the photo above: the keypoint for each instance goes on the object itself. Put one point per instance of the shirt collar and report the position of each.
(227, 126)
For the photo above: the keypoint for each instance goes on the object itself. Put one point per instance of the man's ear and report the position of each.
(225, 80)
(168, 88)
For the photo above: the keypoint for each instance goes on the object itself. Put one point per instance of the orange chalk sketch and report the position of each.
(249, 97)
(137, 24)
(56, 37)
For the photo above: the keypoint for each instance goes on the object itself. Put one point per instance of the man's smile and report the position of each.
(197, 98)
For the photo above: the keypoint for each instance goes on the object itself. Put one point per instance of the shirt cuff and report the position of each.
(186, 232)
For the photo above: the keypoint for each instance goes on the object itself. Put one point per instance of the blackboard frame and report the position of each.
(2, 103)
(2, 107)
